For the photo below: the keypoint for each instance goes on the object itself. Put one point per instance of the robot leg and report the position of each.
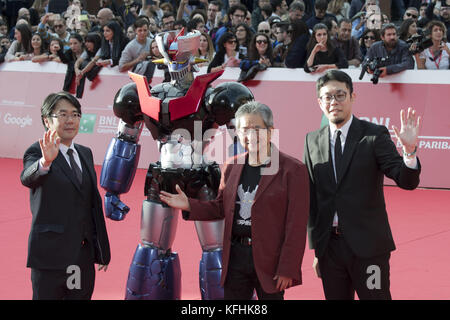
(210, 234)
(209, 275)
(155, 272)
(154, 276)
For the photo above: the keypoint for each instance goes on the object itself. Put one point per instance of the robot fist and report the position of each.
(114, 208)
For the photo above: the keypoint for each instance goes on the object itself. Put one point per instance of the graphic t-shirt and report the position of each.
(246, 191)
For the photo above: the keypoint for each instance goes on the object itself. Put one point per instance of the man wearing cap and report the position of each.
(273, 22)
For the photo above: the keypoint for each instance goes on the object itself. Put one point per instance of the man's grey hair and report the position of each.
(255, 107)
(297, 5)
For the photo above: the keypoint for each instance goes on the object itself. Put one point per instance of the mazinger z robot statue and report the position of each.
(171, 111)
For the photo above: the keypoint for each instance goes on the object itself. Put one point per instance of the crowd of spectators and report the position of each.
(251, 34)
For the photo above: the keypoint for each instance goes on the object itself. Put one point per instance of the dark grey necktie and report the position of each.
(75, 168)
(338, 155)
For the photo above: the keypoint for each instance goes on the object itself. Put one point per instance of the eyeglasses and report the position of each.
(369, 38)
(339, 97)
(411, 15)
(264, 31)
(241, 16)
(290, 31)
(63, 116)
(261, 41)
(246, 131)
(231, 41)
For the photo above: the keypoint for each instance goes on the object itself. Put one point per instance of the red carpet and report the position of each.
(419, 220)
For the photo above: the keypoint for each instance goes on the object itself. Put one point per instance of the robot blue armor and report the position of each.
(170, 111)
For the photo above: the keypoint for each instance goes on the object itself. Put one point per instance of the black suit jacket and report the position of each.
(358, 197)
(55, 240)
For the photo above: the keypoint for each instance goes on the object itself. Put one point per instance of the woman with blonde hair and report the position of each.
(206, 49)
(339, 8)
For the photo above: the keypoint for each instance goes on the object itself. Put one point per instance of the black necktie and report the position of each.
(337, 154)
(75, 168)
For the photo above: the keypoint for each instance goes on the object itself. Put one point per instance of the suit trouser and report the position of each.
(343, 273)
(62, 284)
(241, 278)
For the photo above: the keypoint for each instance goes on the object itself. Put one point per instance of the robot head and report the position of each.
(126, 104)
(178, 51)
(225, 99)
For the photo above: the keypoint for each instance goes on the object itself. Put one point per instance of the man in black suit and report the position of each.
(347, 160)
(68, 233)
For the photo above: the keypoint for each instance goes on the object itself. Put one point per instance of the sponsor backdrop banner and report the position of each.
(290, 93)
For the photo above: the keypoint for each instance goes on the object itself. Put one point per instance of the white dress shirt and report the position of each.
(63, 148)
(409, 162)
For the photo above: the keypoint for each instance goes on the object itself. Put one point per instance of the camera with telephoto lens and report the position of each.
(374, 66)
(419, 42)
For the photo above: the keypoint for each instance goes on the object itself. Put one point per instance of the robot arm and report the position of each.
(119, 168)
(122, 156)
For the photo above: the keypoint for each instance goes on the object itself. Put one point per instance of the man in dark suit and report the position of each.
(68, 233)
(347, 161)
(265, 210)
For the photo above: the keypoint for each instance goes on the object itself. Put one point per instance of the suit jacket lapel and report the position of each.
(263, 184)
(84, 159)
(353, 136)
(232, 183)
(61, 162)
(325, 151)
(266, 179)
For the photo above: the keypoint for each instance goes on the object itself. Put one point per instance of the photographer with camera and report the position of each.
(437, 56)
(394, 51)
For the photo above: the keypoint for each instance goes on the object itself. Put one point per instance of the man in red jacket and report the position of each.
(264, 198)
